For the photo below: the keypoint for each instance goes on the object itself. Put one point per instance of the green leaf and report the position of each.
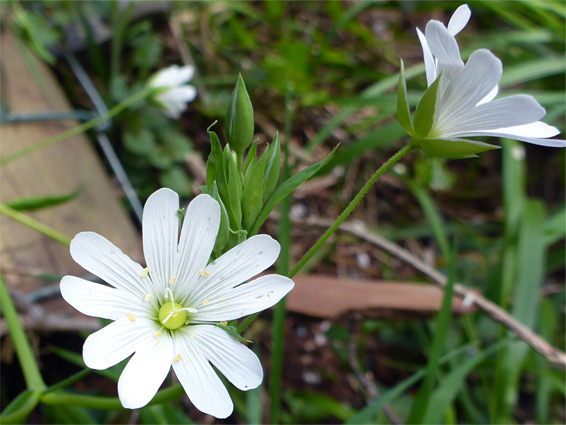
(36, 203)
(424, 115)
(224, 229)
(251, 158)
(240, 118)
(403, 110)
(272, 167)
(454, 148)
(19, 409)
(286, 188)
(214, 165)
(252, 197)
(234, 201)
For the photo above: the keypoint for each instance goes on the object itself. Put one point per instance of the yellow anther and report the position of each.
(204, 273)
(205, 302)
(131, 317)
(224, 323)
(157, 334)
(147, 297)
(177, 357)
(145, 272)
(193, 335)
(172, 280)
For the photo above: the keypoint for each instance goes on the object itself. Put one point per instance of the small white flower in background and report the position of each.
(464, 104)
(166, 314)
(173, 92)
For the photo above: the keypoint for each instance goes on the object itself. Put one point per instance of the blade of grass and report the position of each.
(452, 383)
(531, 260)
(419, 409)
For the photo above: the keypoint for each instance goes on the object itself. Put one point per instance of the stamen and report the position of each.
(189, 309)
(131, 317)
(224, 323)
(144, 272)
(168, 294)
(157, 334)
(172, 280)
(193, 335)
(204, 273)
(205, 302)
(177, 357)
(148, 297)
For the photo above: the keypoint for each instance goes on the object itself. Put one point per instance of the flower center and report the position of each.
(172, 315)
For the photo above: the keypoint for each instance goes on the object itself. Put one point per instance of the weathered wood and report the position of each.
(331, 297)
(55, 170)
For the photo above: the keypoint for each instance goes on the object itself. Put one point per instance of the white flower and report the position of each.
(174, 93)
(166, 313)
(465, 105)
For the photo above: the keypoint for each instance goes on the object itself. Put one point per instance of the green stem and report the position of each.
(278, 330)
(22, 412)
(353, 204)
(34, 224)
(32, 376)
(79, 128)
(107, 403)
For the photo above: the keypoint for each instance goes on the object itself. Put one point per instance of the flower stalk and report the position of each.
(79, 128)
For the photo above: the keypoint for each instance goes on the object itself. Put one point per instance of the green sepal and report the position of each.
(233, 332)
(234, 196)
(214, 164)
(424, 115)
(403, 109)
(272, 167)
(224, 228)
(251, 158)
(252, 198)
(240, 118)
(454, 148)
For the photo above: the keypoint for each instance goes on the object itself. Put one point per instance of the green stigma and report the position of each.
(170, 316)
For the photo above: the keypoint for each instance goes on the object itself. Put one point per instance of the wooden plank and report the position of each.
(331, 297)
(55, 170)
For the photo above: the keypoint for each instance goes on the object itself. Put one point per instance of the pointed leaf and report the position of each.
(234, 201)
(403, 110)
(252, 197)
(272, 166)
(251, 158)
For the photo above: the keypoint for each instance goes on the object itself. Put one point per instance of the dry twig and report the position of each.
(469, 296)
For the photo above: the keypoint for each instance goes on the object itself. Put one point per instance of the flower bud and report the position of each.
(240, 118)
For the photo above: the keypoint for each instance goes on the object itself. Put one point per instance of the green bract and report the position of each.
(454, 148)
(424, 115)
(240, 118)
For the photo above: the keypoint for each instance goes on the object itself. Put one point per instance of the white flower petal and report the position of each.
(507, 112)
(248, 298)
(198, 235)
(241, 263)
(475, 81)
(160, 231)
(430, 66)
(459, 19)
(103, 259)
(537, 133)
(94, 299)
(234, 360)
(443, 45)
(113, 343)
(146, 371)
(172, 76)
(490, 96)
(201, 383)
